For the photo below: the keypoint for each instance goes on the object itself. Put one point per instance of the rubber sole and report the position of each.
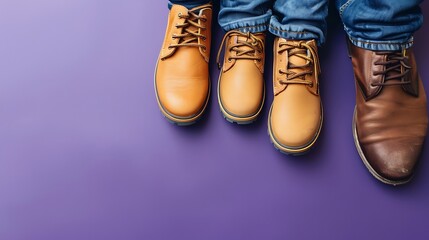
(368, 165)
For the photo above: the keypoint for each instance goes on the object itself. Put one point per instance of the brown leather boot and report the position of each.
(390, 119)
(182, 83)
(241, 88)
(296, 114)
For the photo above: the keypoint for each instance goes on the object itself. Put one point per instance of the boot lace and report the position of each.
(190, 31)
(396, 67)
(299, 49)
(244, 49)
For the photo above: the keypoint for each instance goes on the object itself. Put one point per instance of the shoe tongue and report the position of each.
(245, 39)
(393, 72)
(199, 8)
(299, 61)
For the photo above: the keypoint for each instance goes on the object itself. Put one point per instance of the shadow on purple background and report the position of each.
(86, 154)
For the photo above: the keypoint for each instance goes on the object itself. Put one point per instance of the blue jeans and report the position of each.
(370, 24)
(188, 3)
(381, 24)
(291, 19)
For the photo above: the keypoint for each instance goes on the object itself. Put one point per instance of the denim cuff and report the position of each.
(382, 45)
(296, 31)
(251, 24)
(188, 4)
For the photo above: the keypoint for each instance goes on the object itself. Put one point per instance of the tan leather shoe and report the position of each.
(241, 88)
(296, 115)
(182, 83)
(390, 120)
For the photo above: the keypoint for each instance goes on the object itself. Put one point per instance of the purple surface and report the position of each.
(86, 154)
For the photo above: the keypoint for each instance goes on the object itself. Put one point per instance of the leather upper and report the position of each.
(241, 84)
(391, 116)
(182, 74)
(296, 113)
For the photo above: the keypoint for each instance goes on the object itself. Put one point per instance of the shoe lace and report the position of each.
(396, 67)
(244, 49)
(190, 31)
(299, 49)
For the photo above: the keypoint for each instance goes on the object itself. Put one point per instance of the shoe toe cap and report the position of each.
(294, 137)
(183, 101)
(241, 104)
(295, 129)
(393, 160)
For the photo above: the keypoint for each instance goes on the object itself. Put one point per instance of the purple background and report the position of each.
(86, 154)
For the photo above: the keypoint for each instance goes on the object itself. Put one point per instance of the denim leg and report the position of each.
(188, 3)
(386, 25)
(300, 19)
(245, 15)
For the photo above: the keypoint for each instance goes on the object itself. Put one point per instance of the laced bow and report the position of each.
(244, 49)
(396, 67)
(299, 49)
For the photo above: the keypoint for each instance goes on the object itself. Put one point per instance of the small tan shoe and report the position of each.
(296, 115)
(182, 83)
(241, 88)
(390, 121)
